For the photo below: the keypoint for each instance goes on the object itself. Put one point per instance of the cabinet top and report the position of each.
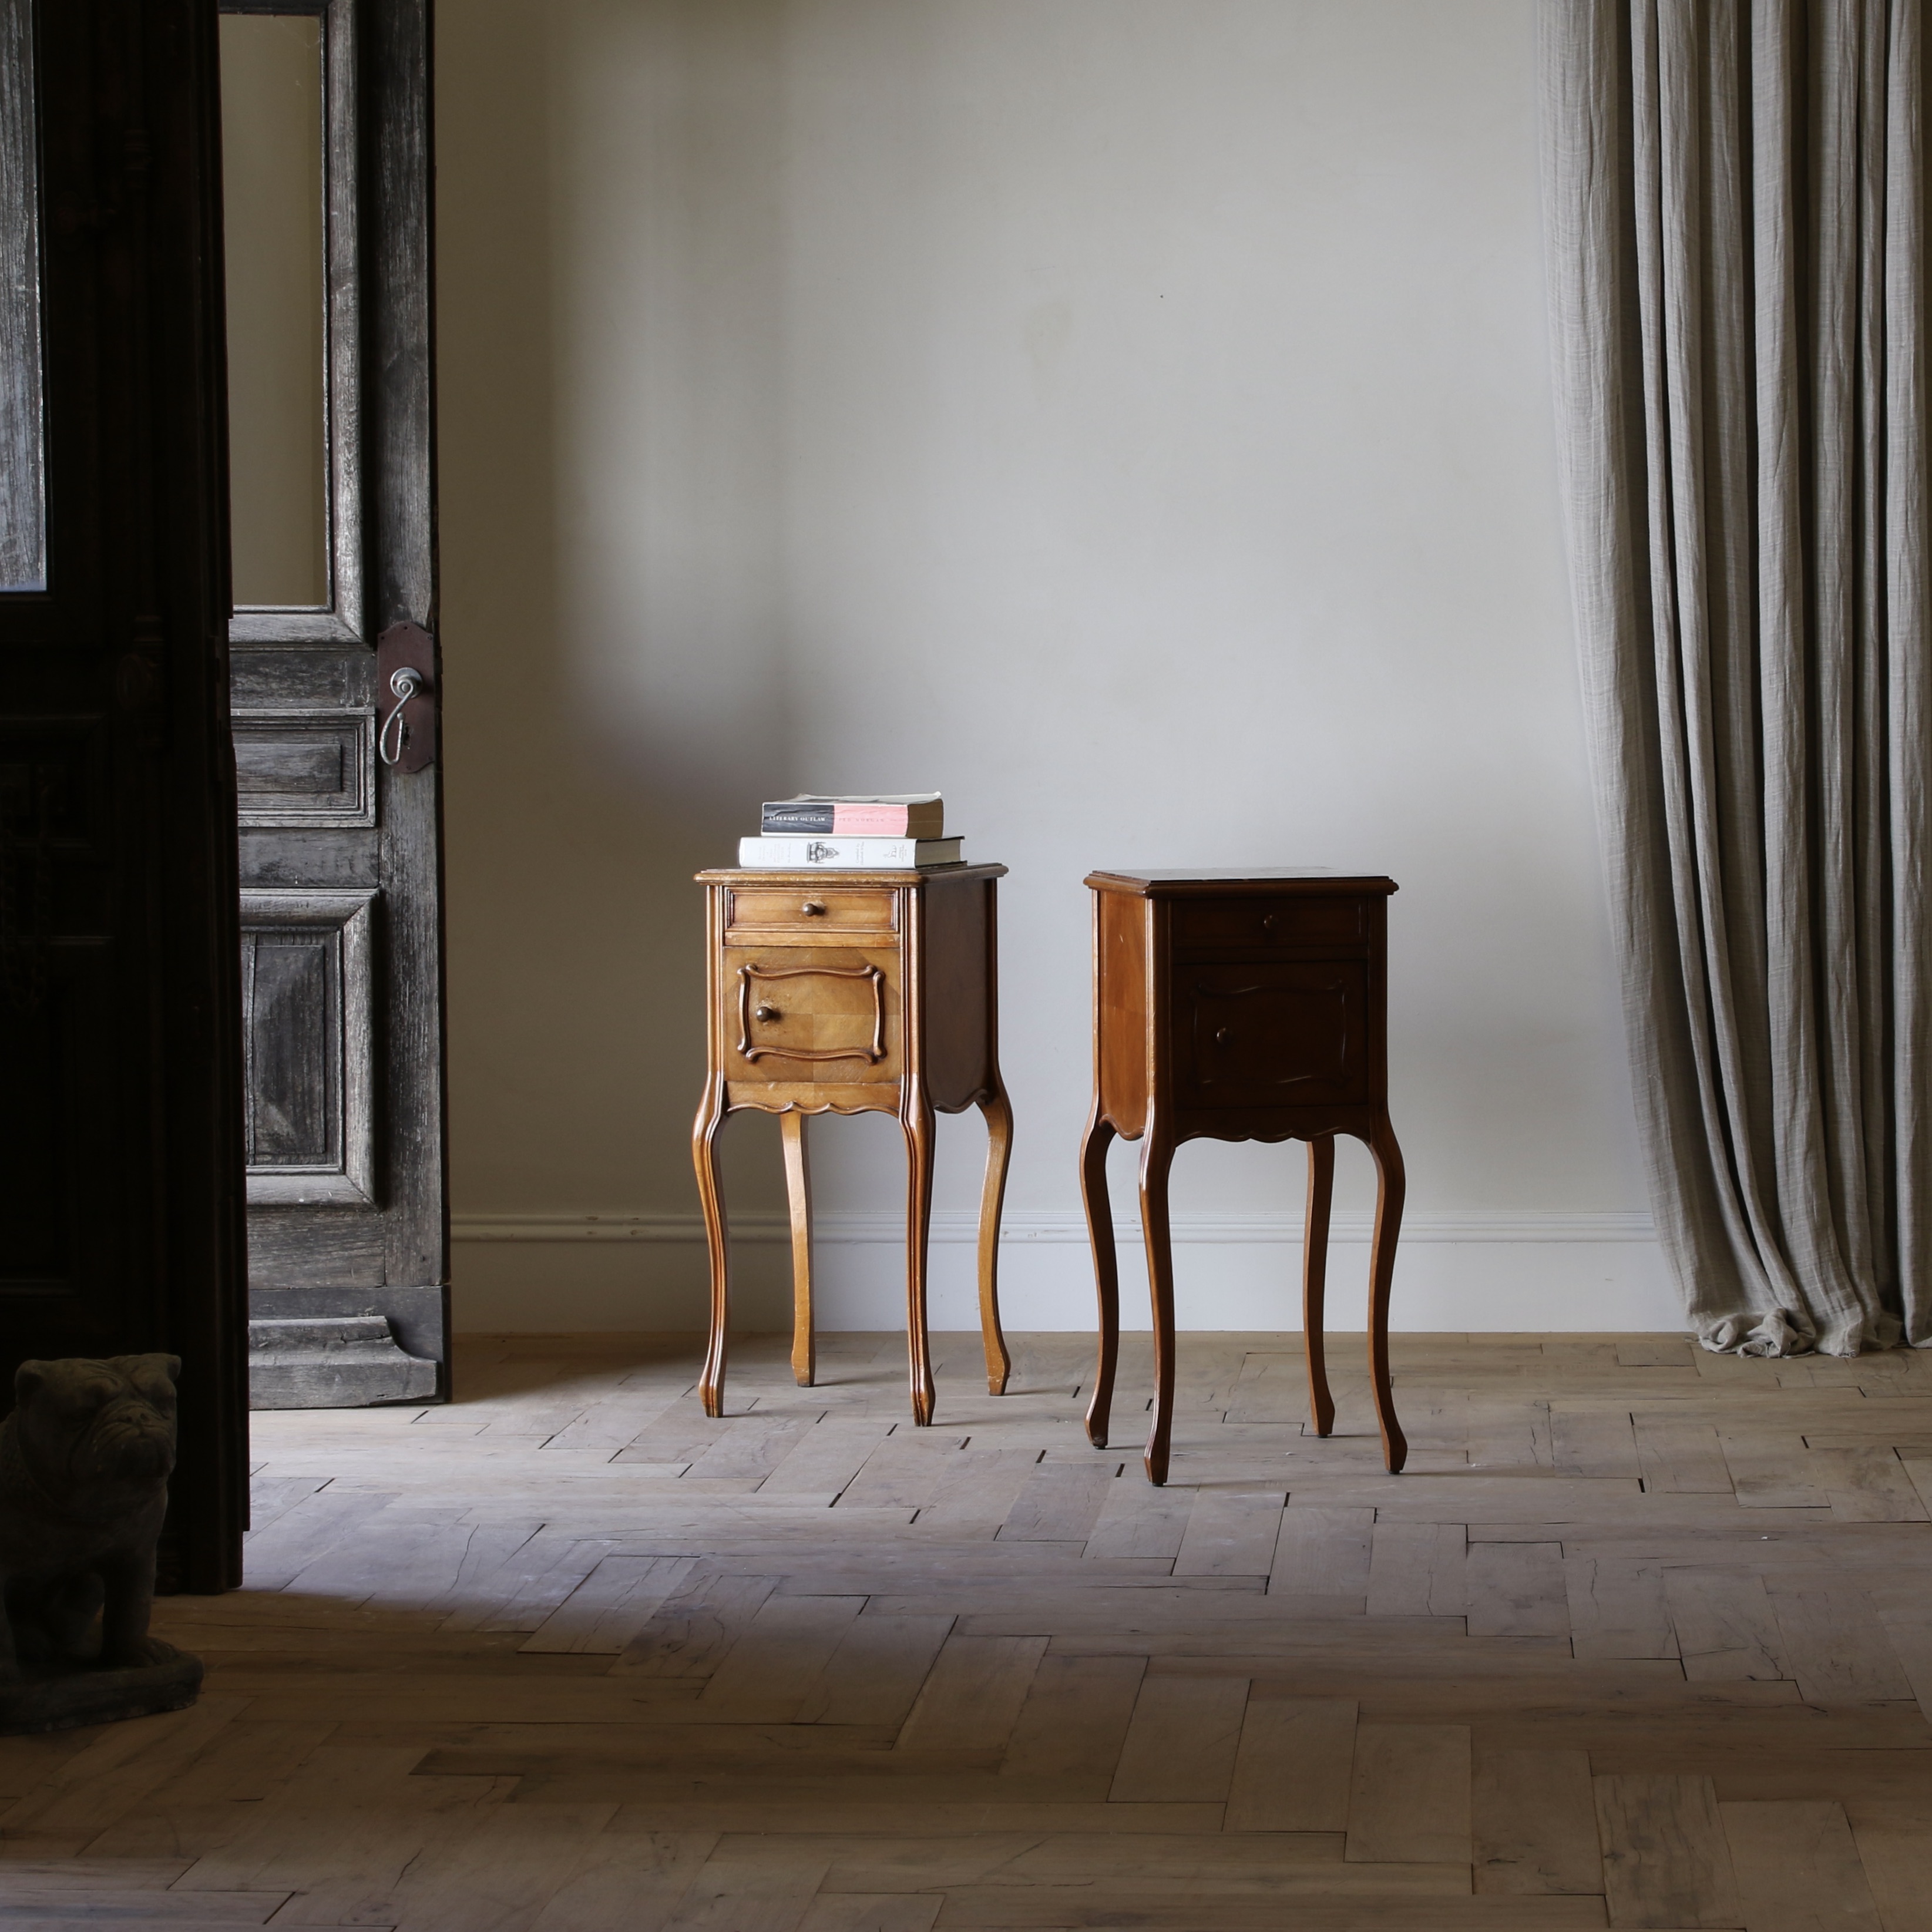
(831, 877)
(1178, 882)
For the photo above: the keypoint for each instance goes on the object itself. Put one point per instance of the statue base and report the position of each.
(59, 1701)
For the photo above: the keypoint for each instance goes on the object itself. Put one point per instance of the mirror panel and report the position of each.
(273, 182)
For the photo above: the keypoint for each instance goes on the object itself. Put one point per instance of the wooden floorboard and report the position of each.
(1640, 1639)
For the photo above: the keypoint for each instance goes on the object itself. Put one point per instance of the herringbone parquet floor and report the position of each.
(1642, 1638)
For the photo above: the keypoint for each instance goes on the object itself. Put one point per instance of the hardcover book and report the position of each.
(912, 814)
(785, 854)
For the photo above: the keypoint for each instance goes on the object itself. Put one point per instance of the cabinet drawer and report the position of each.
(807, 913)
(793, 1016)
(1265, 922)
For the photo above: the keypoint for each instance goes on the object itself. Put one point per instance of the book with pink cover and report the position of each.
(916, 814)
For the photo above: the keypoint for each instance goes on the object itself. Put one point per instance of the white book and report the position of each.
(833, 854)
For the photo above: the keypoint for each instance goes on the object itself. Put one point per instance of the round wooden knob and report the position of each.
(1222, 1035)
(1269, 922)
(813, 908)
(768, 1013)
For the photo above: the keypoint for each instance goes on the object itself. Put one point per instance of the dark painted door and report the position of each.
(325, 116)
(121, 1226)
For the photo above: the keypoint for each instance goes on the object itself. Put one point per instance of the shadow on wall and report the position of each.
(609, 623)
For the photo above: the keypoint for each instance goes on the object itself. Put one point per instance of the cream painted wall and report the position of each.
(1129, 416)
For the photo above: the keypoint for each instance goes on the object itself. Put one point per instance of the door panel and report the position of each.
(308, 771)
(306, 982)
(341, 858)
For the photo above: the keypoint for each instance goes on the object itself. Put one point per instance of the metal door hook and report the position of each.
(404, 684)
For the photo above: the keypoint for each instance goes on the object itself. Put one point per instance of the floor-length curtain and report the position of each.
(1735, 197)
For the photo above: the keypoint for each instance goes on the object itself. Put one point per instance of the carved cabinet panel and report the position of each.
(306, 959)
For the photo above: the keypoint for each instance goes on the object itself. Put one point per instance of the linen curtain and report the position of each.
(1735, 197)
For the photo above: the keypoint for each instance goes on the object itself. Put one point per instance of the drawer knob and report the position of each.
(1222, 1035)
(1269, 922)
(813, 908)
(768, 1014)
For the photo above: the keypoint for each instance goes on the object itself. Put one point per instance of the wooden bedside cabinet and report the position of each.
(1239, 1005)
(851, 992)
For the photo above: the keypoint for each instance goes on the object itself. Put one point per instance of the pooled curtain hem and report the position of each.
(1774, 1332)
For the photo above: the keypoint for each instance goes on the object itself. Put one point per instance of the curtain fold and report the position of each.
(1734, 194)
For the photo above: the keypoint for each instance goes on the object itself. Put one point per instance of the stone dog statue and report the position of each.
(85, 1460)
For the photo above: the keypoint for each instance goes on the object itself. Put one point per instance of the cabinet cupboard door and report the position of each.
(1266, 1035)
(826, 1017)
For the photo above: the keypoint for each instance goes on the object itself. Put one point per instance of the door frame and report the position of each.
(379, 414)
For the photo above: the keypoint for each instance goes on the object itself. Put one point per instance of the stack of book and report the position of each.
(877, 832)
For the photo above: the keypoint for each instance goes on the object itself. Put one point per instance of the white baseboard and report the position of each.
(836, 1230)
(1464, 1269)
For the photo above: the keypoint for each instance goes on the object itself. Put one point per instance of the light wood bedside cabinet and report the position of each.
(851, 992)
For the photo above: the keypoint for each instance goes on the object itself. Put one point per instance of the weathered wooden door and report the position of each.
(327, 159)
(121, 1225)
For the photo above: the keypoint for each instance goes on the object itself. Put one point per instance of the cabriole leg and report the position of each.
(798, 1196)
(712, 1116)
(999, 1112)
(917, 1120)
(1099, 1136)
(1390, 1183)
(1156, 1158)
(1315, 1279)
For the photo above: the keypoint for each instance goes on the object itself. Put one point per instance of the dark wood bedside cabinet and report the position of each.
(849, 992)
(1239, 1005)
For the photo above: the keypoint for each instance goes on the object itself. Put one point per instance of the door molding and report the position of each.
(342, 619)
(340, 928)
